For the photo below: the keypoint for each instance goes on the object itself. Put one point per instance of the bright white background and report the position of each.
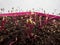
(25, 5)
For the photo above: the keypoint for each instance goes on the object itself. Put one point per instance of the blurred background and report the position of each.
(50, 6)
